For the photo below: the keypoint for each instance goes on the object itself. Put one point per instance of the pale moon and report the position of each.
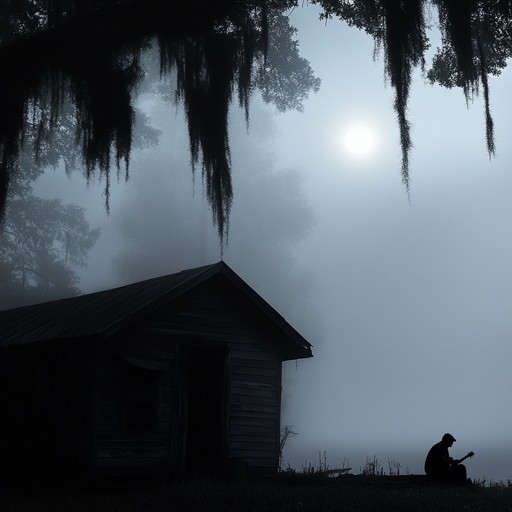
(359, 140)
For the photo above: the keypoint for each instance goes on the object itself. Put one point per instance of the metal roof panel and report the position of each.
(104, 312)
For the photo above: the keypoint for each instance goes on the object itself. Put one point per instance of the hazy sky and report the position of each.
(405, 300)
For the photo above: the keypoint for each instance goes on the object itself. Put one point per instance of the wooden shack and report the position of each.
(176, 375)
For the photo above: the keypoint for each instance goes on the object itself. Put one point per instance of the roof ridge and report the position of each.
(106, 312)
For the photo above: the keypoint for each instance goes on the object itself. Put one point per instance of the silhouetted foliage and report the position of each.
(93, 59)
(89, 52)
(475, 43)
(41, 242)
(285, 79)
(491, 27)
(485, 42)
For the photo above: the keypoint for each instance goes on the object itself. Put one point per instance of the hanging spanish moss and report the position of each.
(476, 42)
(208, 69)
(87, 54)
(99, 79)
(398, 26)
(489, 123)
(205, 76)
(100, 91)
(405, 44)
(479, 45)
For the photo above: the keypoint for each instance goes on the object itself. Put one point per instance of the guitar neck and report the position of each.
(470, 454)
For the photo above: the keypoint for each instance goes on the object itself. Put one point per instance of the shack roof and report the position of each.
(105, 312)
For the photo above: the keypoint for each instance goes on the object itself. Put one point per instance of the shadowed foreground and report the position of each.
(207, 495)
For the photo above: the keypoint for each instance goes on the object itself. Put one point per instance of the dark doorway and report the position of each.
(204, 408)
(141, 401)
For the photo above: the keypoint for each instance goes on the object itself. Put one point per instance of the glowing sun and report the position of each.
(359, 140)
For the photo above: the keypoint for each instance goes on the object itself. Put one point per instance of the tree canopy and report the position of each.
(476, 42)
(89, 52)
(43, 240)
(93, 59)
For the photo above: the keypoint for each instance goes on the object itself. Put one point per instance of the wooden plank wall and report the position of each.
(214, 313)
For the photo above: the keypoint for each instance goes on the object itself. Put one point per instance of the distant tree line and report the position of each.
(42, 241)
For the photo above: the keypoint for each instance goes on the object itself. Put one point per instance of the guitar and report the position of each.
(459, 461)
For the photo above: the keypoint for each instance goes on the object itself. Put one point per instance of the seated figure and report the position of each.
(440, 466)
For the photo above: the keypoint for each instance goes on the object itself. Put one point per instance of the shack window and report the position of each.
(141, 398)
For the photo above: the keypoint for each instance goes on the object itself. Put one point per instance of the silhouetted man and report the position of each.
(441, 466)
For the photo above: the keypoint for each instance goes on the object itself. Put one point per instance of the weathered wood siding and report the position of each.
(175, 375)
(217, 314)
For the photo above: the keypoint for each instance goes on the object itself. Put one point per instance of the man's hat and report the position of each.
(449, 437)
